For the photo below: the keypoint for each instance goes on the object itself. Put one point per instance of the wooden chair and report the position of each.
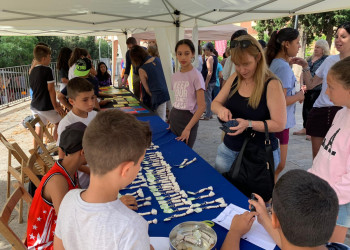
(51, 146)
(19, 194)
(50, 127)
(26, 170)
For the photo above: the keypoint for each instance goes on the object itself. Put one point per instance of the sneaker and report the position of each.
(205, 118)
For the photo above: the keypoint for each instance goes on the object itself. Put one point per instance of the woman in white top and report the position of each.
(321, 116)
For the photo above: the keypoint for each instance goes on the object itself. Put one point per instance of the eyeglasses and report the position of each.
(242, 44)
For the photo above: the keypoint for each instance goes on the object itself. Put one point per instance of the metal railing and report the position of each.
(14, 84)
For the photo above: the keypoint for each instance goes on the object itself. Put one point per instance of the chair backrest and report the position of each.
(31, 171)
(6, 212)
(26, 163)
(14, 149)
(45, 131)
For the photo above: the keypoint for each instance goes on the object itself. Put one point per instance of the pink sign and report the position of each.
(220, 46)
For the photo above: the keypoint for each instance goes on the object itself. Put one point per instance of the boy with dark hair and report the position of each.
(42, 84)
(61, 178)
(82, 98)
(304, 214)
(114, 144)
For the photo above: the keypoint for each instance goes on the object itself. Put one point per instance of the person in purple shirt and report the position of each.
(188, 86)
(103, 77)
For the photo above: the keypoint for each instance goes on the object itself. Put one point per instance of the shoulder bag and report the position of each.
(254, 168)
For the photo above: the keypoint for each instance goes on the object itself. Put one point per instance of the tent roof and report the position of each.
(219, 32)
(110, 17)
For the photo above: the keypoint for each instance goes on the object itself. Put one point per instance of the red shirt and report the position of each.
(42, 216)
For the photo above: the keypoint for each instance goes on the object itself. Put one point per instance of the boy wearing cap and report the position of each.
(82, 98)
(209, 74)
(61, 178)
(42, 83)
(114, 145)
(82, 69)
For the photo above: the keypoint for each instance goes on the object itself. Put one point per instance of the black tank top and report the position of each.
(238, 105)
(205, 69)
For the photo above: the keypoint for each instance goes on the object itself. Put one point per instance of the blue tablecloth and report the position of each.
(196, 176)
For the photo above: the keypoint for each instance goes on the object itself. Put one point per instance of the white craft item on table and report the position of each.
(138, 181)
(183, 203)
(201, 190)
(182, 209)
(152, 212)
(183, 194)
(138, 193)
(188, 163)
(176, 197)
(176, 190)
(154, 221)
(144, 199)
(182, 163)
(147, 203)
(217, 206)
(189, 211)
(178, 205)
(211, 194)
(175, 201)
(138, 186)
(219, 200)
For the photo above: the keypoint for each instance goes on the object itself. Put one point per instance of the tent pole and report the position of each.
(296, 22)
(195, 42)
(177, 24)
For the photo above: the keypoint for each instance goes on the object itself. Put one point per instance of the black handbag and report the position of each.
(253, 170)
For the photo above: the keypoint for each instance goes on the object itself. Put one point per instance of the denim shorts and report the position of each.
(225, 157)
(344, 215)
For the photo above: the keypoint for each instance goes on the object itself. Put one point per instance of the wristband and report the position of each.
(306, 69)
(250, 125)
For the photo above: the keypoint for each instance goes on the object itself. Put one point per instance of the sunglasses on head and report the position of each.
(242, 44)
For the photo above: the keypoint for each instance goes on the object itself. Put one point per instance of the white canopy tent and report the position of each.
(109, 17)
(211, 33)
(167, 17)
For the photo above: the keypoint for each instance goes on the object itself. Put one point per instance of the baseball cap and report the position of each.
(209, 46)
(82, 67)
(71, 139)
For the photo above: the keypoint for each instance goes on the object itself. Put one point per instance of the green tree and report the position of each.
(313, 25)
(16, 50)
(56, 43)
(106, 49)
(89, 44)
(271, 25)
(71, 41)
(318, 24)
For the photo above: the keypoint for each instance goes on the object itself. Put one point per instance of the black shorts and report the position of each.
(320, 120)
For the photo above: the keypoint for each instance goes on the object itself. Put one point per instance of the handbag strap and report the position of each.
(267, 137)
(238, 162)
(268, 149)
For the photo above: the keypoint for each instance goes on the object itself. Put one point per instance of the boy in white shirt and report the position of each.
(82, 98)
(114, 144)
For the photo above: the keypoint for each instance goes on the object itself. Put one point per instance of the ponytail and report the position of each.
(272, 48)
(277, 38)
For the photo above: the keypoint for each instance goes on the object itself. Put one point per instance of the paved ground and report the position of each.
(208, 139)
